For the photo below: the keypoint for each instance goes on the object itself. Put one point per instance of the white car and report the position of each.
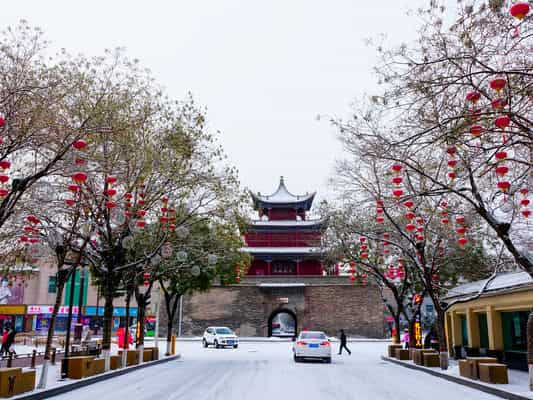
(312, 344)
(220, 336)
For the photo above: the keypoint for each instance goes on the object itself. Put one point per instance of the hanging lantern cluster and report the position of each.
(397, 181)
(110, 192)
(79, 177)
(31, 231)
(452, 163)
(461, 230)
(526, 212)
(167, 214)
(363, 248)
(146, 277)
(444, 212)
(379, 211)
(502, 170)
(4, 178)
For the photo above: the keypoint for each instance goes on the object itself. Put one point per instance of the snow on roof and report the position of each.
(502, 281)
(283, 196)
(281, 285)
(281, 250)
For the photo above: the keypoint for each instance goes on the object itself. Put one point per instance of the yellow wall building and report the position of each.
(493, 323)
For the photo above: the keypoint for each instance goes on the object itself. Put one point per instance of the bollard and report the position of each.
(10, 360)
(173, 345)
(54, 356)
(33, 356)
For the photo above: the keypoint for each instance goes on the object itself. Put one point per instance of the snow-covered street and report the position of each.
(267, 371)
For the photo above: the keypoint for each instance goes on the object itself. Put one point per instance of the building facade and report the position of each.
(493, 323)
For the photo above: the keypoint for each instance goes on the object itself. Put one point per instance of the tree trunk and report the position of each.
(412, 339)
(443, 346)
(396, 336)
(530, 348)
(171, 314)
(141, 320)
(108, 326)
(51, 328)
(126, 331)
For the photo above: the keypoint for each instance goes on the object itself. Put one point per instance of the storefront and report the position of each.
(42, 314)
(95, 319)
(12, 316)
(493, 323)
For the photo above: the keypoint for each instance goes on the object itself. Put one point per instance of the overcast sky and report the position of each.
(263, 69)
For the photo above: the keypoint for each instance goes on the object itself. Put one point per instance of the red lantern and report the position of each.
(444, 204)
(462, 241)
(110, 205)
(419, 238)
(380, 219)
(408, 203)
(4, 178)
(164, 200)
(352, 278)
(364, 255)
(451, 151)
(73, 188)
(498, 103)
(128, 196)
(420, 220)
(79, 144)
(24, 238)
(420, 229)
(141, 213)
(397, 168)
(452, 175)
(460, 220)
(141, 224)
(519, 10)
(379, 203)
(4, 164)
(498, 84)
(363, 247)
(410, 227)
(111, 192)
(379, 210)
(501, 156)
(473, 97)
(452, 163)
(238, 278)
(502, 122)
(524, 202)
(32, 219)
(386, 235)
(3, 192)
(111, 179)
(524, 191)
(127, 204)
(164, 209)
(476, 130)
(70, 202)
(79, 177)
(409, 215)
(163, 220)
(445, 221)
(526, 213)
(501, 170)
(504, 186)
(172, 226)
(79, 161)
(397, 180)
(140, 202)
(444, 213)
(362, 239)
(397, 193)
(2, 122)
(461, 230)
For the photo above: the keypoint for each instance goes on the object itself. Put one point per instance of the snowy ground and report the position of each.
(266, 371)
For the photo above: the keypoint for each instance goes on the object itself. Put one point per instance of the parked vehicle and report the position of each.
(312, 345)
(220, 336)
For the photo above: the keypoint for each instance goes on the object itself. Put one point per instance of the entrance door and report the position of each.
(282, 324)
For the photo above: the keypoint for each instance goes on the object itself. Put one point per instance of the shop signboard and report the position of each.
(12, 310)
(43, 309)
(117, 311)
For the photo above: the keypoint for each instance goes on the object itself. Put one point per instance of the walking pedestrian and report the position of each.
(4, 349)
(11, 340)
(343, 343)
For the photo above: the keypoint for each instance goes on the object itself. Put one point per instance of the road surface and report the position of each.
(266, 371)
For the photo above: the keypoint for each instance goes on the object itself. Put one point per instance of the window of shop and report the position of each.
(514, 326)
(483, 331)
(52, 284)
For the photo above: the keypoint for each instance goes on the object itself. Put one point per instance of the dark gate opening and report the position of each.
(282, 323)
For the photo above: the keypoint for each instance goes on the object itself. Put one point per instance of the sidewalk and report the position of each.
(516, 389)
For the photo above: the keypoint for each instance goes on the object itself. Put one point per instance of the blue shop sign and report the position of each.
(117, 311)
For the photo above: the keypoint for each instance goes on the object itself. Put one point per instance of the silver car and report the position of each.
(220, 336)
(313, 345)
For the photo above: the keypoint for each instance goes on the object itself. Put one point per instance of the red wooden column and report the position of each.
(268, 267)
(297, 267)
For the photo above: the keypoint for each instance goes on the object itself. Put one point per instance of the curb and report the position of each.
(469, 383)
(78, 384)
(285, 340)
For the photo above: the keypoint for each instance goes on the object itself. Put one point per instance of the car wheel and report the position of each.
(235, 346)
(204, 343)
(296, 359)
(327, 360)
(216, 344)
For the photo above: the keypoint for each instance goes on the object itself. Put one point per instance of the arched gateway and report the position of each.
(282, 323)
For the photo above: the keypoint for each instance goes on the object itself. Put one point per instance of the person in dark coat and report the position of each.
(343, 343)
(4, 350)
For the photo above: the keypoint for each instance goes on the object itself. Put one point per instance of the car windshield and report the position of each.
(224, 331)
(312, 335)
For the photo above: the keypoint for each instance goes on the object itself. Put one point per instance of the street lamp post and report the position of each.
(64, 364)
